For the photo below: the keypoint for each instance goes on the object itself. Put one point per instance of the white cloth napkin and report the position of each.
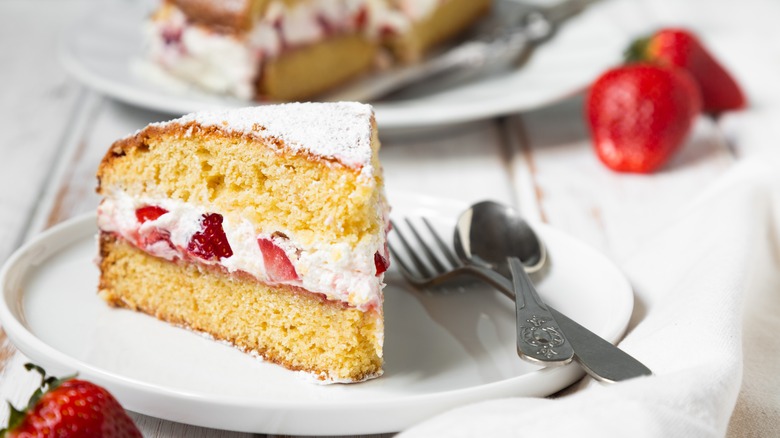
(707, 320)
(690, 284)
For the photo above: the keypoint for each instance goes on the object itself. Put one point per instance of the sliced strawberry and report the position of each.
(149, 213)
(386, 31)
(325, 25)
(381, 262)
(277, 265)
(150, 237)
(171, 35)
(210, 243)
(361, 18)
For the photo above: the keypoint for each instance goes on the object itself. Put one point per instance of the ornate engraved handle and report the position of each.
(539, 339)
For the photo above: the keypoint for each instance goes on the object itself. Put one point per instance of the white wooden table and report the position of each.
(53, 132)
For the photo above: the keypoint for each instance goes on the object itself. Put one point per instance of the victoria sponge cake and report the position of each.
(264, 227)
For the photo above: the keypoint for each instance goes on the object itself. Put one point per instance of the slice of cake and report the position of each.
(295, 49)
(268, 50)
(264, 227)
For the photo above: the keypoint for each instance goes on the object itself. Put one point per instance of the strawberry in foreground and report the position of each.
(680, 48)
(639, 115)
(69, 408)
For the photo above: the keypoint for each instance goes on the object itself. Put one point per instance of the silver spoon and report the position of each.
(488, 232)
(600, 359)
(493, 236)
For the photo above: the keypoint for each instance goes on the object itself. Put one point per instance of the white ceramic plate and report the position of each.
(102, 49)
(442, 350)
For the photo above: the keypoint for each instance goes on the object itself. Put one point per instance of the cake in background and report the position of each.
(264, 227)
(425, 24)
(285, 50)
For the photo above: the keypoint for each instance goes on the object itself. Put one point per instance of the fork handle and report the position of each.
(471, 56)
(600, 359)
(539, 338)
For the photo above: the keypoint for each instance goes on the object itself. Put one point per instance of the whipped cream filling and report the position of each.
(216, 62)
(338, 271)
(230, 63)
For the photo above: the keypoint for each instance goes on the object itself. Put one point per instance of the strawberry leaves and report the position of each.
(48, 383)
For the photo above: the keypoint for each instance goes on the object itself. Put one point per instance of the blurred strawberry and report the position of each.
(69, 408)
(640, 114)
(680, 48)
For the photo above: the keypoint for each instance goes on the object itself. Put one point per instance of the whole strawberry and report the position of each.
(69, 408)
(681, 48)
(640, 114)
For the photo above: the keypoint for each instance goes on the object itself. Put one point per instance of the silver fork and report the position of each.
(600, 359)
(539, 339)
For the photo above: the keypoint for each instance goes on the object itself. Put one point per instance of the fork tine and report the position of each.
(432, 257)
(421, 268)
(443, 247)
(403, 265)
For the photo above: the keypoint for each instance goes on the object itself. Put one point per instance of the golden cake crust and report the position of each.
(142, 139)
(225, 15)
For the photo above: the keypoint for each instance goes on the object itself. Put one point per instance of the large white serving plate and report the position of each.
(104, 48)
(442, 349)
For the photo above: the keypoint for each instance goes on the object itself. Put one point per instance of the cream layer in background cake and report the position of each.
(264, 227)
(295, 49)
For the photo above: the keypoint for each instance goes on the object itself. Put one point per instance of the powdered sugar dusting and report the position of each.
(338, 130)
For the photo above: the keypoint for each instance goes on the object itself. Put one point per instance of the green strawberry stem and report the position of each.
(14, 419)
(48, 383)
(637, 51)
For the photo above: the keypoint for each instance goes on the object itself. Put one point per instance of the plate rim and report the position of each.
(80, 227)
